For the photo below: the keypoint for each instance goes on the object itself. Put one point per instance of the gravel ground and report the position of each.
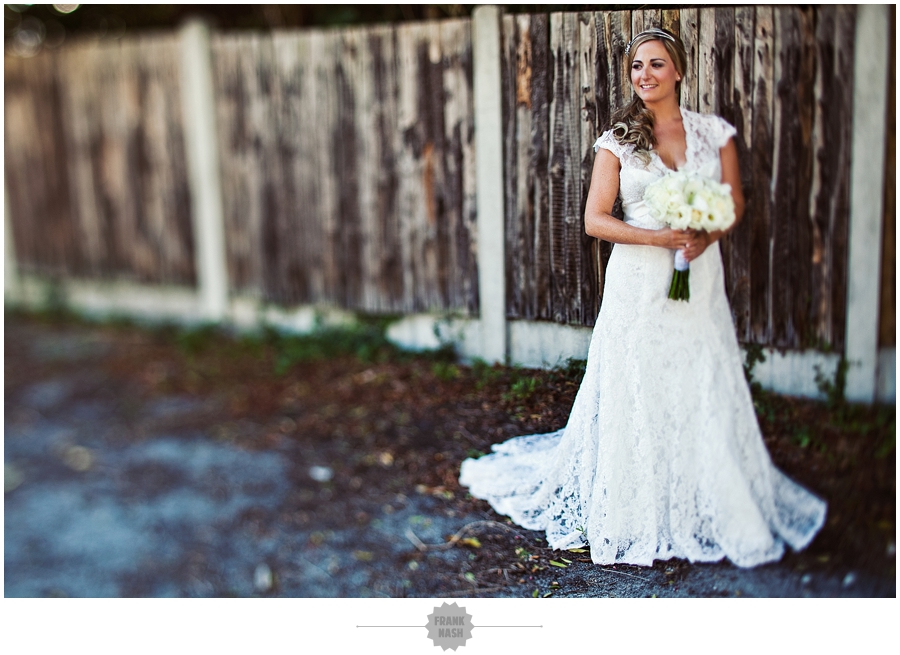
(113, 493)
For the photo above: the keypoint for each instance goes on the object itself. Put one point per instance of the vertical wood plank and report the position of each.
(651, 18)
(792, 254)
(42, 222)
(346, 143)
(761, 155)
(411, 146)
(291, 189)
(459, 266)
(469, 229)
(670, 19)
(690, 36)
(831, 144)
(565, 171)
(618, 36)
(388, 270)
(707, 88)
(740, 238)
(590, 252)
(515, 76)
(327, 117)
(431, 103)
(539, 171)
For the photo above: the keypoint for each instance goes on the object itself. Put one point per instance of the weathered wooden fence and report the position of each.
(347, 162)
(348, 166)
(95, 163)
(782, 75)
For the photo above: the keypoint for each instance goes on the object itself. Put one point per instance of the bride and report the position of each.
(662, 455)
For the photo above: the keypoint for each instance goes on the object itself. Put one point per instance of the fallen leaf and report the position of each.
(559, 564)
(577, 550)
(363, 555)
(471, 541)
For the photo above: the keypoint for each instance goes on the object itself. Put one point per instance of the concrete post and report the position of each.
(489, 173)
(203, 170)
(866, 193)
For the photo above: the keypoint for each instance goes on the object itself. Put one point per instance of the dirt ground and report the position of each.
(159, 462)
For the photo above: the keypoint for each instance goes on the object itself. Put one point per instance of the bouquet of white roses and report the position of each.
(688, 201)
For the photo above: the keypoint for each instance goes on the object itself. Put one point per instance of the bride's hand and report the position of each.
(673, 239)
(697, 242)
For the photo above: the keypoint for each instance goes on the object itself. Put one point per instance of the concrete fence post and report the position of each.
(489, 173)
(866, 192)
(203, 170)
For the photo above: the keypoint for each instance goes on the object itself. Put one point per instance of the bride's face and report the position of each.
(653, 74)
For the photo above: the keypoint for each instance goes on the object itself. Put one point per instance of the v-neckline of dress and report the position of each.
(687, 148)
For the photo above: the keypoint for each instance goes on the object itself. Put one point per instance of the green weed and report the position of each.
(755, 355)
(522, 389)
(445, 371)
(485, 374)
(833, 389)
(572, 370)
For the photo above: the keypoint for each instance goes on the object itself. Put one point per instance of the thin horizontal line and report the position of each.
(425, 626)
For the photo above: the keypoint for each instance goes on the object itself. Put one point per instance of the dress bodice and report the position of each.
(705, 135)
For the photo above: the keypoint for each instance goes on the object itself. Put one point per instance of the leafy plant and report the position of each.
(833, 389)
(522, 389)
(484, 373)
(445, 371)
(755, 355)
(572, 370)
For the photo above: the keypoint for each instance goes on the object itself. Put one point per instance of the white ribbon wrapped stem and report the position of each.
(681, 264)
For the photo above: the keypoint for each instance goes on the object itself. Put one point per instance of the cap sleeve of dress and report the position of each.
(722, 131)
(608, 142)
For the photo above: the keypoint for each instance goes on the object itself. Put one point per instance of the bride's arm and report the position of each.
(599, 221)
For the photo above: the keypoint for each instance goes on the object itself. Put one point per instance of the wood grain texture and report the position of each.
(347, 161)
(348, 166)
(830, 193)
(794, 107)
(541, 96)
(45, 235)
(516, 78)
(690, 36)
(566, 205)
(741, 109)
(670, 19)
(760, 207)
(590, 250)
(124, 153)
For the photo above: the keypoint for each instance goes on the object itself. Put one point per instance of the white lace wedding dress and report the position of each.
(662, 455)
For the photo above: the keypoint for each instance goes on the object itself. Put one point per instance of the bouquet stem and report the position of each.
(680, 288)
